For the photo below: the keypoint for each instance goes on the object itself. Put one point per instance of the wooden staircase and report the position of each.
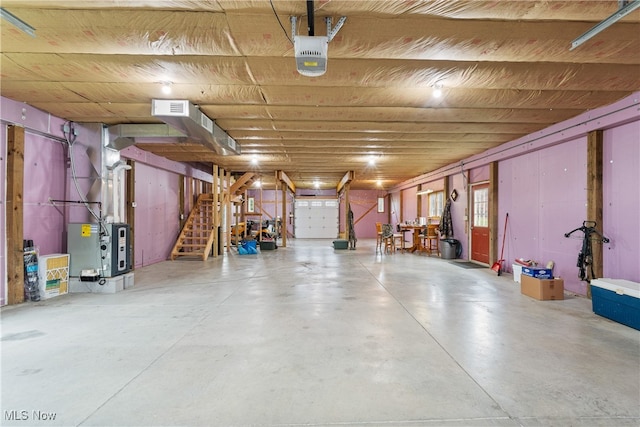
(197, 235)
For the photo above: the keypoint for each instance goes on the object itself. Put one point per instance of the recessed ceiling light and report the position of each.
(166, 88)
(437, 91)
(316, 184)
(254, 160)
(372, 161)
(258, 184)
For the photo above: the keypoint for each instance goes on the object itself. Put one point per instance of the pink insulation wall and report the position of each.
(3, 200)
(364, 204)
(621, 201)
(157, 221)
(544, 193)
(44, 179)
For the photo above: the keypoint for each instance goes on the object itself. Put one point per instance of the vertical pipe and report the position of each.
(310, 18)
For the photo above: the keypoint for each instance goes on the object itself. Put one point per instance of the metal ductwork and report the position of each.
(127, 134)
(188, 119)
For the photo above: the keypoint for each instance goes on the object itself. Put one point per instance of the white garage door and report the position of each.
(316, 218)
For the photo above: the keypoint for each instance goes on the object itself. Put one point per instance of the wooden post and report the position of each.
(594, 196)
(131, 210)
(181, 196)
(446, 189)
(214, 210)
(14, 209)
(229, 220)
(284, 216)
(347, 202)
(493, 212)
(419, 201)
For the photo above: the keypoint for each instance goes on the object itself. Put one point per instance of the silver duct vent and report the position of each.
(187, 118)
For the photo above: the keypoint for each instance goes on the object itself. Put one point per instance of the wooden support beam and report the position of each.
(131, 207)
(595, 155)
(214, 210)
(281, 176)
(493, 212)
(446, 188)
(181, 198)
(347, 178)
(347, 207)
(284, 216)
(228, 219)
(14, 212)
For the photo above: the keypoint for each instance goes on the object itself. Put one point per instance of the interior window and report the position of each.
(436, 204)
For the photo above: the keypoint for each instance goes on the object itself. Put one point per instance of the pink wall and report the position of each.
(44, 179)
(544, 193)
(364, 204)
(3, 197)
(621, 200)
(157, 221)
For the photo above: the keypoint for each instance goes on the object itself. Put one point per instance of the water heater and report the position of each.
(102, 249)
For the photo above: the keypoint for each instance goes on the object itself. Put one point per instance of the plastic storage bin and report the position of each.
(340, 244)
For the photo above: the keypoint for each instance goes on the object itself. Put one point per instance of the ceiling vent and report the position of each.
(187, 118)
(311, 54)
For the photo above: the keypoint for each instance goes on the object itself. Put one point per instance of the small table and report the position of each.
(417, 240)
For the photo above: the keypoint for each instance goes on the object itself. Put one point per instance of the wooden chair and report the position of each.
(388, 239)
(398, 239)
(432, 239)
(379, 236)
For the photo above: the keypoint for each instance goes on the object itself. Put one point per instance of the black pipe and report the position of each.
(310, 27)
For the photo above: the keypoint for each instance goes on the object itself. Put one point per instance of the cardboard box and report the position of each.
(537, 272)
(542, 289)
(618, 300)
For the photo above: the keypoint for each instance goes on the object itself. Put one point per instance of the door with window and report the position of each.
(480, 223)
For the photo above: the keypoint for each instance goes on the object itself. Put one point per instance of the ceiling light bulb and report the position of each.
(258, 184)
(316, 184)
(166, 88)
(379, 183)
(372, 161)
(254, 161)
(437, 92)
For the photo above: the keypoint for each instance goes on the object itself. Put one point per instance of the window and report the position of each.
(380, 204)
(481, 207)
(436, 204)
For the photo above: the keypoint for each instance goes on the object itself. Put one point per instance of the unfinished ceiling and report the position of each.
(505, 69)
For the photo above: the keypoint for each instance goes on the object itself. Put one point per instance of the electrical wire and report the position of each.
(70, 136)
(280, 22)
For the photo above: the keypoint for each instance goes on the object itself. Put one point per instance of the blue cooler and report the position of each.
(618, 300)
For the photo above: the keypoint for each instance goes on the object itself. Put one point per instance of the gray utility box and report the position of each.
(92, 248)
(450, 249)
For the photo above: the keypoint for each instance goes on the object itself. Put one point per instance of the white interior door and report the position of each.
(316, 218)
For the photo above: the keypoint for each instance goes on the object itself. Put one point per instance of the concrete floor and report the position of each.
(306, 336)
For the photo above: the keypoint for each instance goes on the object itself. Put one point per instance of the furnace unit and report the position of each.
(102, 250)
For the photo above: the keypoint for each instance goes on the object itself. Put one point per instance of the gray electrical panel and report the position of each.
(106, 251)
